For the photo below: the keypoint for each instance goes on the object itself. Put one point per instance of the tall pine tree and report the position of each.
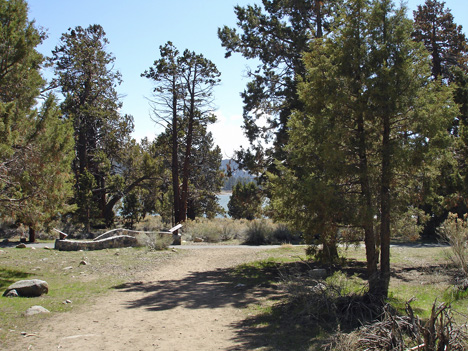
(35, 143)
(372, 124)
(88, 82)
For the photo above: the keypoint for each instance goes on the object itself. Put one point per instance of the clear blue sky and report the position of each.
(137, 28)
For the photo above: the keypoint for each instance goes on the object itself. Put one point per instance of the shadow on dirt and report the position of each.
(210, 289)
(270, 327)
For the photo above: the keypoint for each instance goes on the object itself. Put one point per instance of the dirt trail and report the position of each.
(186, 304)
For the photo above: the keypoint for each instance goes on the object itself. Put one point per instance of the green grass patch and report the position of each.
(68, 279)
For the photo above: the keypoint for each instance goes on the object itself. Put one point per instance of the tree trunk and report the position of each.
(191, 210)
(32, 235)
(319, 18)
(188, 149)
(175, 155)
(367, 208)
(436, 61)
(385, 206)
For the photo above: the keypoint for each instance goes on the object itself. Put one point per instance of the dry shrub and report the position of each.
(259, 232)
(265, 232)
(454, 231)
(215, 230)
(154, 241)
(150, 224)
(395, 332)
(338, 300)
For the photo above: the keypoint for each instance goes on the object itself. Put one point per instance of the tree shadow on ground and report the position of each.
(10, 276)
(212, 289)
(249, 284)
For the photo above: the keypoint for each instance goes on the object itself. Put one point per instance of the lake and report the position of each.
(223, 200)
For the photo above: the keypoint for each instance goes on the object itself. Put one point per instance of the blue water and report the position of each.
(223, 200)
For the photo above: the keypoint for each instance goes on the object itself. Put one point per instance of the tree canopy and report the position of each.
(35, 143)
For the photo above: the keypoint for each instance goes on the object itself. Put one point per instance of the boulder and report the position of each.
(318, 273)
(12, 293)
(35, 310)
(21, 246)
(29, 288)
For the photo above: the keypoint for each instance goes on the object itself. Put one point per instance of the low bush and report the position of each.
(215, 230)
(338, 300)
(265, 232)
(454, 231)
(154, 242)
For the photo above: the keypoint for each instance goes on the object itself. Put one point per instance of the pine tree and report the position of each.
(35, 143)
(88, 83)
(276, 34)
(445, 41)
(246, 201)
(443, 38)
(372, 124)
(183, 104)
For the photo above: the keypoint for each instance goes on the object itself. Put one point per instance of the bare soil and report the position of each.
(186, 303)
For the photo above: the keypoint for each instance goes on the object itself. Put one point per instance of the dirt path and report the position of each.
(186, 304)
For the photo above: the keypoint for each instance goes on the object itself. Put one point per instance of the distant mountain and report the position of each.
(237, 175)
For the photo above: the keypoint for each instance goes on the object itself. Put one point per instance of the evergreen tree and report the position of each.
(373, 123)
(246, 201)
(35, 144)
(88, 83)
(183, 104)
(206, 178)
(445, 41)
(276, 34)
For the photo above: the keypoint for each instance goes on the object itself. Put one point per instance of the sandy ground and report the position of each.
(186, 304)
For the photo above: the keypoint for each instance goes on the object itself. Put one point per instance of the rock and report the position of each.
(35, 310)
(12, 293)
(197, 240)
(21, 246)
(318, 273)
(29, 288)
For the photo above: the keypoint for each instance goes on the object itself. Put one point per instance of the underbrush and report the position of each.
(255, 232)
(335, 312)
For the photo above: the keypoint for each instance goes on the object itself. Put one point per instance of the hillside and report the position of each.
(237, 175)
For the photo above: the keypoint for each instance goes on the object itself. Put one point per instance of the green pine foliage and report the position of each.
(246, 201)
(373, 128)
(35, 143)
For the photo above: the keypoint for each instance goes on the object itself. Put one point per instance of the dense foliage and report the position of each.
(246, 201)
(35, 143)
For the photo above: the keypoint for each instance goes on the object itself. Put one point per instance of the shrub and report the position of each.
(150, 224)
(282, 234)
(259, 232)
(154, 242)
(454, 231)
(328, 303)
